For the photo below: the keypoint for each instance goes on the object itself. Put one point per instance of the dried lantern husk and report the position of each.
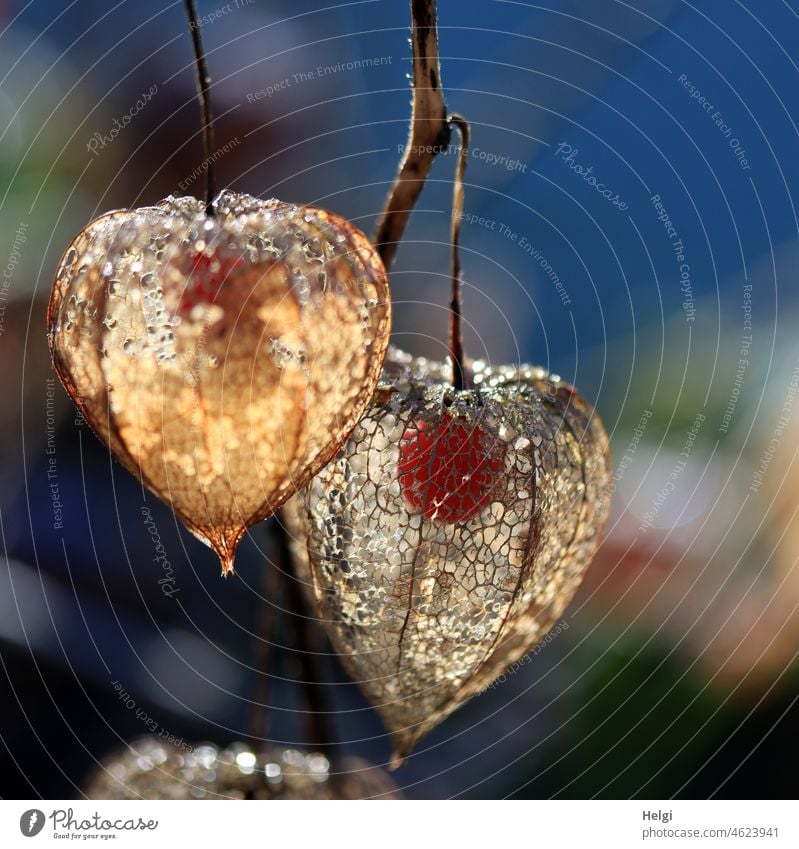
(429, 599)
(150, 768)
(222, 358)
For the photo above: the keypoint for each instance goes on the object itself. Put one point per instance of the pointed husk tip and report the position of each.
(224, 542)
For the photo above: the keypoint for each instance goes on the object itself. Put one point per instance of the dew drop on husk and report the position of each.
(450, 532)
(182, 315)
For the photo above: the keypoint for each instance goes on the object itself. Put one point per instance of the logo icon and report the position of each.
(31, 822)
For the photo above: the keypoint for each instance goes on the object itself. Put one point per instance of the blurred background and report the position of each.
(670, 300)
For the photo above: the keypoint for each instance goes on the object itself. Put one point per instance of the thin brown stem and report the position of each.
(460, 379)
(308, 645)
(268, 617)
(203, 85)
(429, 131)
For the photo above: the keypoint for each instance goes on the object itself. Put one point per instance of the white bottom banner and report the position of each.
(415, 823)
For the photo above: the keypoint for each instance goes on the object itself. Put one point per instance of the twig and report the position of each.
(307, 645)
(268, 620)
(429, 131)
(460, 380)
(203, 84)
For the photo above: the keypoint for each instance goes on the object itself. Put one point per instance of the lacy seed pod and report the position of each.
(222, 358)
(152, 769)
(450, 532)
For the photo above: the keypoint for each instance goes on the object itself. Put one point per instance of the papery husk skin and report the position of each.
(221, 406)
(150, 768)
(425, 615)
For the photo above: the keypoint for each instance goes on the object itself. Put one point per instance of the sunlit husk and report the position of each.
(426, 614)
(222, 404)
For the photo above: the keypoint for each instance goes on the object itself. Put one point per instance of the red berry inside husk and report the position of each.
(222, 358)
(207, 277)
(448, 470)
